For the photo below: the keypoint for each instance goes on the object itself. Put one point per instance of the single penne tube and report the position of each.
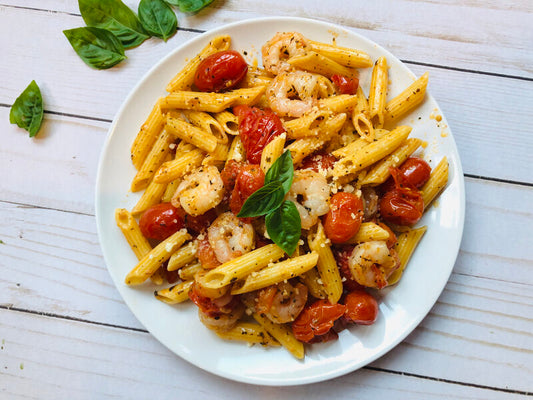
(183, 256)
(236, 150)
(363, 126)
(189, 271)
(377, 96)
(170, 190)
(326, 265)
(157, 277)
(242, 266)
(191, 134)
(350, 148)
(304, 147)
(155, 158)
(151, 196)
(348, 57)
(368, 232)
(256, 77)
(210, 101)
(405, 247)
(147, 136)
(218, 156)
(343, 103)
(271, 152)
(174, 294)
(306, 125)
(371, 153)
(185, 78)
(314, 284)
(407, 100)
(228, 121)
(436, 183)
(380, 172)
(131, 231)
(317, 63)
(275, 273)
(180, 166)
(283, 334)
(248, 332)
(157, 256)
(207, 123)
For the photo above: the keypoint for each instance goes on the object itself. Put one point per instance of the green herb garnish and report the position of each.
(27, 110)
(284, 226)
(190, 6)
(157, 18)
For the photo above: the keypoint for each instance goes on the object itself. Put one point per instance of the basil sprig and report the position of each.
(157, 18)
(281, 217)
(116, 17)
(98, 48)
(190, 6)
(27, 110)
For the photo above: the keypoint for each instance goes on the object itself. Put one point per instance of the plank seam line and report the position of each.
(499, 180)
(26, 205)
(69, 318)
(450, 381)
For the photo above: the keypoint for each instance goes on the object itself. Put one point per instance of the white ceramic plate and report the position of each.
(401, 307)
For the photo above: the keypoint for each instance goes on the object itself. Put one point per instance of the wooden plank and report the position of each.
(491, 37)
(50, 358)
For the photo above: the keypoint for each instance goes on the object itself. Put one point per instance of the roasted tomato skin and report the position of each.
(257, 128)
(360, 308)
(416, 171)
(344, 84)
(316, 320)
(344, 217)
(199, 223)
(220, 71)
(318, 162)
(250, 178)
(341, 257)
(160, 221)
(401, 206)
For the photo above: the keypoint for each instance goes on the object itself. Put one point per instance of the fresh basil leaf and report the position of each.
(263, 200)
(190, 6)
(284, 226)
(116, 17)
(157, 18)
(282, 171)
(98, 48)
(27, 110)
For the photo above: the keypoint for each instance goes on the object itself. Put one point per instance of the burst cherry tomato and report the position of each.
(416, 171)
(199, 223)
(344, 217)
(402, 205)
(316, 320)
(345, 85)
(206, 254)
(257, 128)
(250, 178)
(341, 256)
(230, 172)
(160, 221)
(319, 161)
(361, 308)
(220, 71)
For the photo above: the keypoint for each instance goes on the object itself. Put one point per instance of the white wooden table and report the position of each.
(66, 333)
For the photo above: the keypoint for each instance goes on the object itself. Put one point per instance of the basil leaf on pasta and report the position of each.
(282, 171)
(263, 200)
(98, 48)
(284, 226)
(157, 18)
(116, 17)
(27, 110)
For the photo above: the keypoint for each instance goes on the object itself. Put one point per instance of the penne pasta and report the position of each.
(129, 227)
(368, 232)
(191, 134)
(228, 121)
(320, 64)
(183, 256)
(181, 165)
(407, 100)
(271, 152)
(407, 242)
(345, 56)
(174, 294)
(436, 183)
(250, 333)
(147, 136)
(378, 93)
(207, 123)
(283, 334)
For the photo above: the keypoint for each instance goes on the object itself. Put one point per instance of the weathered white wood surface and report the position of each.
(64, 330)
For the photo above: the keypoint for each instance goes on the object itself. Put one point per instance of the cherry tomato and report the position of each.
(341, 256)
(206, 254)
(257, 128)
(361, 308)
(160, 221)
(230, 172)
(316, 320)
(220, 71)
(402, 205)
(318, 162)
(344, 217)
(344, 84)
(250, 178)
(199, 223)
(416, 171)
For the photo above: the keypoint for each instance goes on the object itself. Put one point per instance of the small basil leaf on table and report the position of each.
(263, 200)
(157, 18)
(284, 226)
(98, 48)
(282, 170)
(116, 17)
(27, 110)
(190, 6)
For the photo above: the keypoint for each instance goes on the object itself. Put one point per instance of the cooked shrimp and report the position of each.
(313, 190)
(295, 93)
(370, 201)
(200, 191)
(281, 47)
(230, 237)
(371, 263)
(280, 303)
